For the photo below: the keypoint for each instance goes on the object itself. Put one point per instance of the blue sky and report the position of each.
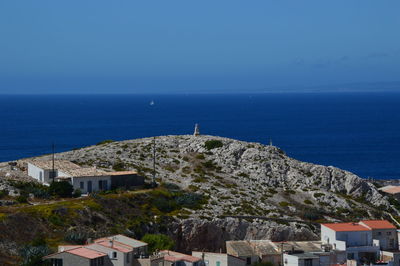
(98, 46)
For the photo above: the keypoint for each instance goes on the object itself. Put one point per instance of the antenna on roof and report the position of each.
(154, 162)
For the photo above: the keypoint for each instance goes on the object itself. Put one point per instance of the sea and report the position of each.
(358, 132)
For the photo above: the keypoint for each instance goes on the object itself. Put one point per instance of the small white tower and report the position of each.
(196, 130)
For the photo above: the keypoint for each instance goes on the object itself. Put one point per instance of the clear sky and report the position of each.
(130, 46)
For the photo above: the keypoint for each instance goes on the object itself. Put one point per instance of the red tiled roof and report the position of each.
(86, 253)
(173, 256)
(378, 224)
(346, 227)
(391, 189)
(116, 245)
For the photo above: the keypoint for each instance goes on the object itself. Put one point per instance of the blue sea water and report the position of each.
(358, 132)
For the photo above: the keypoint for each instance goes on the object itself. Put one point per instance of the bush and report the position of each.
(284, 204)
(61, 189)
(22, 199)
(3, 193)
(105, 142)
(119, 166)
(26, 188)
(212, 144)
(318, 195)
(158, 242)
(77, 193)
(308, 201)
(33, 252)
(190, 200)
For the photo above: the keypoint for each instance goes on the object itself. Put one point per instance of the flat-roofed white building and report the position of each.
(219, 259)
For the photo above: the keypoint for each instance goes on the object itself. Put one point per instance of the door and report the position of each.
(89, 186)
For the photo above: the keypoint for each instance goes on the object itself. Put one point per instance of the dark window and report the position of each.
(308, 262)
(82, 185)
(248, 260)
(56, 262)
(114, 255)
(388, 233)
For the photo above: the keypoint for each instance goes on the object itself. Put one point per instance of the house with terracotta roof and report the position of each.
(362, 241)
(384, 233)
(117, 250)
(173, 258)
(81, 256)
(391, 190)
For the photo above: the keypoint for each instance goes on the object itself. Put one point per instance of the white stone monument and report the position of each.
(196, 130)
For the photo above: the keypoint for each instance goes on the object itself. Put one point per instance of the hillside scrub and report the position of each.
(212, 144)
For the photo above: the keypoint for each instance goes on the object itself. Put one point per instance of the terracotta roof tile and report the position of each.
(378, 224)
(346, 227)
(86, 253)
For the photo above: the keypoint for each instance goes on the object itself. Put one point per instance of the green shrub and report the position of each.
(77, 193)
(158, 242)
(200, 156)
(190, 200)
(284, 204)
(61, 189)
(119, 166)
(78, 238)
(33, 252)
(105, 142)
(3, 193)
(318, 195)
(22, 199)
(212, 144)
(308, 201)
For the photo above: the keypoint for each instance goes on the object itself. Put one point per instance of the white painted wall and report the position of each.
(292, 260)
(76, 182)
(352, 238)
(224, 259)
(42, 175)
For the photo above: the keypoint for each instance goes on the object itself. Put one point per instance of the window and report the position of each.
(82, 185)
(379, 233)
(248, 260)
(350, 256)
(391, 242)
(56, 262)
(128, 257)
(114, 255)
(218, 263)
(308, 262)
(41, 176)
(388, 233)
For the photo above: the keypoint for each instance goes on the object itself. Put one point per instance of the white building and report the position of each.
(362, 241)
(86, 179)
(115, 250)
(219, 259)
(301, 259)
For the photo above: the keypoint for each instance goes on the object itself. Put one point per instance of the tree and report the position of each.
(62, 189)
(158, 242)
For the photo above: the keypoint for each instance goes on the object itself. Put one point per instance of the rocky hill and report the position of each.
(251, 191)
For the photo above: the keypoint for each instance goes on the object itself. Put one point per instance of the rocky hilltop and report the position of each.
(243, 179)
(252, 191)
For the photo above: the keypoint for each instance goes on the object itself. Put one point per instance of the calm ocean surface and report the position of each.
(358, 132)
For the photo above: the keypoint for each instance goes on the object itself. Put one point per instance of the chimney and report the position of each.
(111, 243)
